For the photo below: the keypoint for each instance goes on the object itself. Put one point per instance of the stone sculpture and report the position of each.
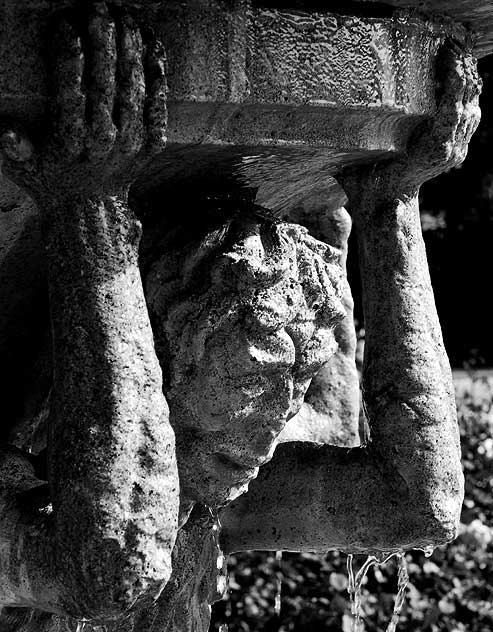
(112, 469)
(237, 293)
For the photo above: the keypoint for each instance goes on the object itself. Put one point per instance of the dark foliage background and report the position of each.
(452, 590)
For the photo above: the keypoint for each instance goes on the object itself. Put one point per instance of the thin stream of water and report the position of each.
(277, 602)
(222, 585)
(354, 589)
(222, 567)
(214, 513)
(355, 583)
(402, 582)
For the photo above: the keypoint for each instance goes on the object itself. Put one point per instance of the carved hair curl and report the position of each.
(269, 280)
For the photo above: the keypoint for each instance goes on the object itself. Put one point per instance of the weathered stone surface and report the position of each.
(264, 105)
(264, 96)
(411, 468)
(198, 579)
(243, 315)
(248, 77)
(475, 14)
(113, 481)
(331, 407)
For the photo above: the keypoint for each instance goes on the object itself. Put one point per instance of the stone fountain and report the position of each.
(176, 333)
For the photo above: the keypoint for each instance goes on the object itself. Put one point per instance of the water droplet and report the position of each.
(80, 626)
(428, 550)
(224, 627)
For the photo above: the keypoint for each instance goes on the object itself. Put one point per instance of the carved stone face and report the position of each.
(243, 318)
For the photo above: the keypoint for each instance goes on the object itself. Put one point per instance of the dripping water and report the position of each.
(216, 523)
(80, 625)
(222, 586)
(402, 582)
(277, 602)
(355, 585)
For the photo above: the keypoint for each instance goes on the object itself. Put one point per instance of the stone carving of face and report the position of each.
(243, 317)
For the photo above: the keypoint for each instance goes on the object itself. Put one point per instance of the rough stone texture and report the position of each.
(243, 314)
(475, 14)
(245, 305)
(330, 412)
(285, 58)
(198, 579)
(319, 48)
(107, 535)
(235, 75)
(244, 105)
(411, 468)
(230, 115)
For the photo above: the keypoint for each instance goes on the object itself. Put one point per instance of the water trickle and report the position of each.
(355, 585)
(222, 575)
(383, 558)
(402, 582)
(216, 526)
(277, 602)
(222, 579)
